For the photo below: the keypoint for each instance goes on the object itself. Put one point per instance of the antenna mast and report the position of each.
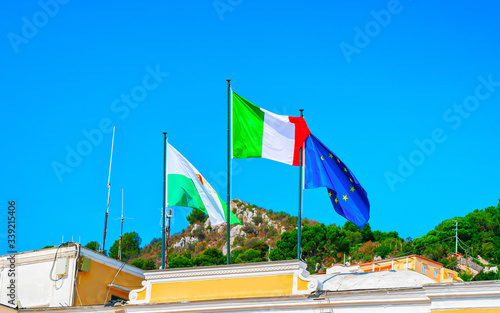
(121, 234)
(109, 191)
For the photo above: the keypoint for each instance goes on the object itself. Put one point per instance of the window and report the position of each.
(423, 269)
(450, 276)
(436, 273)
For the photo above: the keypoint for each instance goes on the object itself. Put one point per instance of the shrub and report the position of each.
(257, 219)
(144, 264)
(199, 234)
(487, 276)
(249, 229)
(466, 276)
(180, 261)
(239, 241)
(249, 256)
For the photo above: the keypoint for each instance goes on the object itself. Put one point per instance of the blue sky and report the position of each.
(405, 92)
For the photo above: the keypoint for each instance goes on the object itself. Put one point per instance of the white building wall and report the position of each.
(34, 287)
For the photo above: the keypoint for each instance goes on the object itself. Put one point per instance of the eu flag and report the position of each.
(324, 169)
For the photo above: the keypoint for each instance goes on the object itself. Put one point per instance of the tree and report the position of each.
(349, 226)
(383, 251)
(144, 264)
(93, 245)
(487, 276)
(381, 236)
(367, 234)
(180, 260)
(478, 231)
(249, 256)
(336, 240)
(196, 216)
(286, 247)
(130, 246)
(276, 255)
(235, 254)
(262, 247)
(313, 240)
(211, 256)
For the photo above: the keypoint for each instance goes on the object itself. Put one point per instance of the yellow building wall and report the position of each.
(400, 264)
(92, 286)
(415, 264)
(468, 311)
(429, 271)
(302, 284)
(222, 288)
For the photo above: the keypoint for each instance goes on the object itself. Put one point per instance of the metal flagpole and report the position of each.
(169, 216)
(109, 193)
(228, 213)
(299, 226)
(164, 201)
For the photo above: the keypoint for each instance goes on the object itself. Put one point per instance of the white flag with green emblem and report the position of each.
(186, 187)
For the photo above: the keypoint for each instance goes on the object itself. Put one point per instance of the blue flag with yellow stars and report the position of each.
(323, 169)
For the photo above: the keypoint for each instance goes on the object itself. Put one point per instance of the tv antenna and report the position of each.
(121, 231)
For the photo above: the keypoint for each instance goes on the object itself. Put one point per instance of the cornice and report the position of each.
(201, 272)
(39, 256)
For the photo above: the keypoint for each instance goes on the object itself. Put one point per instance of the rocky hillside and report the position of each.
(261, 229)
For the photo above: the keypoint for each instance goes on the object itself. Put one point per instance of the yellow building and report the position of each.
(105, 279)
(279, 278)
(429, 268)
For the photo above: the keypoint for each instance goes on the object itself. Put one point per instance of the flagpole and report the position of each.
(164, 201)
(169, 215)
(228, 213)
(299, 225)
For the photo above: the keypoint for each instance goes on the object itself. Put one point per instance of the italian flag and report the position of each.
(258, 133)
(186, 187)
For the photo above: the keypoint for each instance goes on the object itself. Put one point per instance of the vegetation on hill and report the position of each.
(268, 235)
